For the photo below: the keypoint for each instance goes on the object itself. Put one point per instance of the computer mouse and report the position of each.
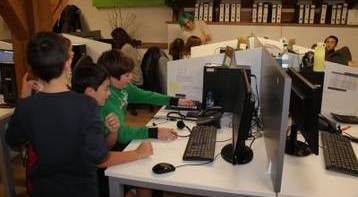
(162, 168)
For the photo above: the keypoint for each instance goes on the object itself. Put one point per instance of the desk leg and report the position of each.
(6, 171)
(116, 189)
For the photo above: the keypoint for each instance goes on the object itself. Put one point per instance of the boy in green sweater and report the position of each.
(123, 92)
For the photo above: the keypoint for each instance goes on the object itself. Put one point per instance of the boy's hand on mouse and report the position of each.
(112, 123)
(185, 102)
(166, 134)
(145, 149)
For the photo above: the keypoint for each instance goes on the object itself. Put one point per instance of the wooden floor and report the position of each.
(144, 115)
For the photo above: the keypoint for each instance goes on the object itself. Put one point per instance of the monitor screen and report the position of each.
(304, 110)
(6, 56)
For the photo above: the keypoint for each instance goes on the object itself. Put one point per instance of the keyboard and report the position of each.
(196, 106)
(338, 154)
(201, 144)
(345, 118)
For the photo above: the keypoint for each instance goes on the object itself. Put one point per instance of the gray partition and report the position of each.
(275, 100)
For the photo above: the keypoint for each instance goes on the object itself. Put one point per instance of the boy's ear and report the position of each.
(89, 91)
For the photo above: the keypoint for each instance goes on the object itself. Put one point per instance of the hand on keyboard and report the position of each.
(185, 102)
(166, 134)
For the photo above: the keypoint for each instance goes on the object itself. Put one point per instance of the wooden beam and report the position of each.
(57, 8)
(15, 16)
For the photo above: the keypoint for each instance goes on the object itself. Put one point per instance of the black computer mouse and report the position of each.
(162, 168)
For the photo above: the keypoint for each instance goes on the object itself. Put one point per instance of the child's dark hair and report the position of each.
(88, 75)
(176, 47)
(333, 37)
(47, 53)
(120, 38)
(116, 63)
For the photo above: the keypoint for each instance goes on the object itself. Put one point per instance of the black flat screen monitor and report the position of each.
(238, 152)
(304, 110)
(223, 83)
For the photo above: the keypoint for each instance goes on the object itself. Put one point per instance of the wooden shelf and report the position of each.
(275, 24)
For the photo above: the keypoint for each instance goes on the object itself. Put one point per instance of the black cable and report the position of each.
(252, 141)
(198, 164)
(224, 140)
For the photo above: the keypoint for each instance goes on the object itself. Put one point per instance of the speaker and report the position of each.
(8, 82)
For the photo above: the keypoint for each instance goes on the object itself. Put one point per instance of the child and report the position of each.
(93, 81)
(122, 92)
(62, 126)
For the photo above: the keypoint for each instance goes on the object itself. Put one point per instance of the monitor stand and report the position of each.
(244, 156)
(295, 147)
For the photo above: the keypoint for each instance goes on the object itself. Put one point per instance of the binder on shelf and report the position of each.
(206, 12)
(278, 14)
(227, 12)
(201, 11)
(301, 10)
(352, 17)
(273, 13)
(344, 14)
(333, 14)
(307, 14)
(196, 12)
(338, 14)
(238, 12)
(233, 12)
(323, 14)
(222, 12)
(265, 13)
(254, 13)
(312, 13)
(259, 12)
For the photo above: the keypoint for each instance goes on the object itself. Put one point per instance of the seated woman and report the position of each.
(176, 48)
(191, 42)
(191, 27)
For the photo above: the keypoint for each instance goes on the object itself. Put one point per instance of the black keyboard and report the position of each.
(345, 118)
(338, 154)
(201, 144)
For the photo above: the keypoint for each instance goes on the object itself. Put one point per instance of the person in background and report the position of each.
(191, 42)
(331, 43)
(123, 92)
(93, 81)
(122, 41)
(176, 49)
(191, 27)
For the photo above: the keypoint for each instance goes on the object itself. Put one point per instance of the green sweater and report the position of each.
(117, 104)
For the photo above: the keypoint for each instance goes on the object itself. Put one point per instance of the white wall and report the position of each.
(150, 21)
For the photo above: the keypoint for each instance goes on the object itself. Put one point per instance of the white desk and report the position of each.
(308, 177)
(6, 172)
(216, 179)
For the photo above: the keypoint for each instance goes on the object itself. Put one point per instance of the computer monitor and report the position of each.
(6, 56)
(304, 110)
(223, 84)
(238, 152)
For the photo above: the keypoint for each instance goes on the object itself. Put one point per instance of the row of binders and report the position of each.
(225, 12)
(263, 12)
(330, 14)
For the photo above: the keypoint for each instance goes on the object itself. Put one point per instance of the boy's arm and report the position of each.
(145, 149)
(15, 133)
(128, 133)
(112, 125)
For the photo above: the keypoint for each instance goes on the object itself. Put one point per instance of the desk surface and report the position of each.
(216, 179)
(308, 177)
(6, 112)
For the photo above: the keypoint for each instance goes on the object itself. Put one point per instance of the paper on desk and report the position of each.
(340, 89)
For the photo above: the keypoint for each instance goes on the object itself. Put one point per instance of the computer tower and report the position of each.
(222, 83)
(8, 82)
(79, 50)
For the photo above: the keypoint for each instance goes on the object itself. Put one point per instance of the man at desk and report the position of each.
(340, 56)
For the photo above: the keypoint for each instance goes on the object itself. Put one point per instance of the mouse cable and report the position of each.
(198, 164)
